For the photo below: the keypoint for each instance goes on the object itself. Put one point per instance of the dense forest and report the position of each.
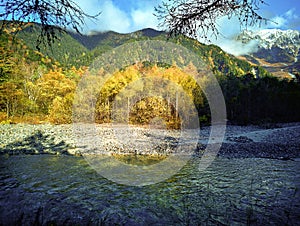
(39, 86)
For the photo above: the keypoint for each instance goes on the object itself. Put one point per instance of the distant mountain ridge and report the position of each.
(277, 50)
(80, 50)
(281, 45)
(273, 37)
(92, 40)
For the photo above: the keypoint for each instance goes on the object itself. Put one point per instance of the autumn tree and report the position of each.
(53, 85)
(10, 97)
(198, 17)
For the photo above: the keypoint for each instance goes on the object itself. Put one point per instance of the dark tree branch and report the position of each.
(53, 16)
(198, 17)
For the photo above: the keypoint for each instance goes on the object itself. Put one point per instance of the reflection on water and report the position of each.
(140, 160)
(66, 190)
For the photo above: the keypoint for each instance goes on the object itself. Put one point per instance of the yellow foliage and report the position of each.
(54, 84)
(164, 79)
(61, 109)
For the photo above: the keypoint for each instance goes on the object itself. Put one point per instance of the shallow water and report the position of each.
(65, 190)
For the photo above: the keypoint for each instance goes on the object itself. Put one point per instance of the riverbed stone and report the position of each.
(282, 142)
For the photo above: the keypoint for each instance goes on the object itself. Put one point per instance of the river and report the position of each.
(66, 190)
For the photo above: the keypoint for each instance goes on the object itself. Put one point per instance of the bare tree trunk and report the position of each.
(176, 104)
(7, 109)
(128, 110)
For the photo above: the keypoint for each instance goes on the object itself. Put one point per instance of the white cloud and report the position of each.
(279, 22)
(291, 14)
(113, 18)
(143, 19)
(117, 19)
(228, 30)
(287, 20)
(238, 48)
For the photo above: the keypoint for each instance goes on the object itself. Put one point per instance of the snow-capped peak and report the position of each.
(272, 37)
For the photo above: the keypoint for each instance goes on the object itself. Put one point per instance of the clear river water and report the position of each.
(66, 190)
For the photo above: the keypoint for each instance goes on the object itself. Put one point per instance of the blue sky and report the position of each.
(130, 15)
(120, 15)
(285, 12)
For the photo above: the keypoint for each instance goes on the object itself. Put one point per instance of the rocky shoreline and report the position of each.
(281, 142)
(278, 143)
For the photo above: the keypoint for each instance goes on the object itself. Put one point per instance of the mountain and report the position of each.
(73, 49)
(80, 50)
(94, 39)
(277, 50)
(65, 50)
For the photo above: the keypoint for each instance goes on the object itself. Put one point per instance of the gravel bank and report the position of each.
(239, 141)
(279, 143)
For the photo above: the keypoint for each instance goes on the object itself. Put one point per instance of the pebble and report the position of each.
(280, 143)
